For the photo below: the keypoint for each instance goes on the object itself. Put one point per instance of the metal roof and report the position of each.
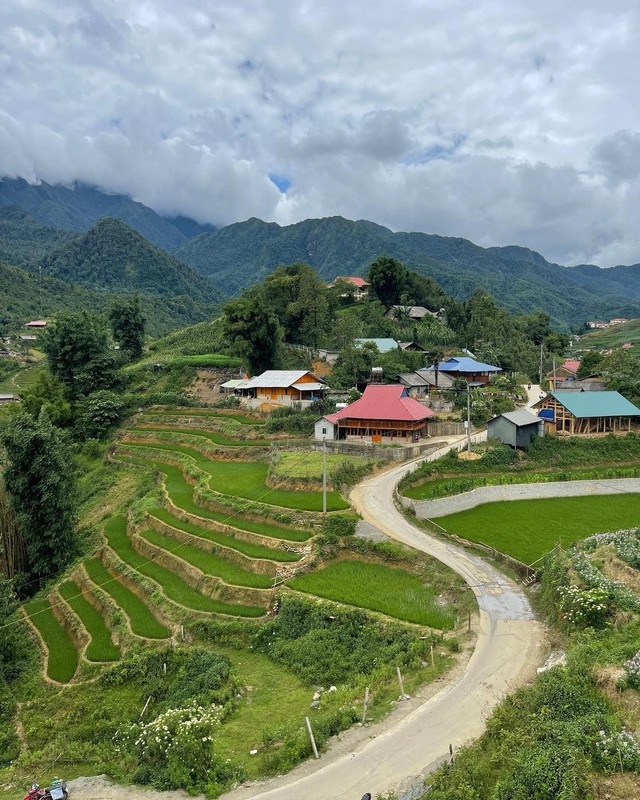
(384, 403)
(519, 418)
(596, 404)
(465, 364)
(413, 379)
(231, 384)
(277, 378)
(383, 345)
(309, 387)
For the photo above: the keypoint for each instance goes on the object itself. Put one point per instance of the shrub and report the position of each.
(338, 525)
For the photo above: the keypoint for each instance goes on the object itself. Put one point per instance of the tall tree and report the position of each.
(40, 481)
(253, 333)
(388, 279)
(77, 346)
(128, 325)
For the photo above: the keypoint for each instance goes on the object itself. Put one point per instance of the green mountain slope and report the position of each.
(113, 256)
(522, 280)
(24, 239)
(78, 207)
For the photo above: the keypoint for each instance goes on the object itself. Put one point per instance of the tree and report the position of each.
(101, 412)
(47, 392)
(40, 481)
(128, 325)
(253, 333)
(77, 346)
(433, 358)
(389, 280)
(590, 364)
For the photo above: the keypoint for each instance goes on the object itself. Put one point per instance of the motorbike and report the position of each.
(56, 791)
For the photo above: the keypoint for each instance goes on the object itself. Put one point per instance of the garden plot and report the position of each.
(142, 621)
(62, 656)
(527, 529)
(101, 646)
(212, 436)
(377, 587)
(172, 585)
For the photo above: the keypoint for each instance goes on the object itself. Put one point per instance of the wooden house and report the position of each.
(281, 387)
(361, 289)
(586, 412)
(474, 372)
(384, 414)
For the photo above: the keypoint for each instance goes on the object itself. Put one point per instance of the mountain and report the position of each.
(24, 239)
(76, 208)
(112, 256)
(522, 280)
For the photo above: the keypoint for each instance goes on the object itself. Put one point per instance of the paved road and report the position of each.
(508, 650)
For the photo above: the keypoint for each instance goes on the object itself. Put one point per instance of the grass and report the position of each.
(389, 590)
(290, 465)
(143, 623)
(249, 549)
(101, 646)
(172, 584)
(62, 660)
(209, 563)
(187, 412)
(527, 529)
(247, 479)
(216, 438)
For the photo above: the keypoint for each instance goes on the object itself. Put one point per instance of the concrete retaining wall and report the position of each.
(430, 509)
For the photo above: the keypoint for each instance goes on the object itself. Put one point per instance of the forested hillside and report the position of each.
(24, 239)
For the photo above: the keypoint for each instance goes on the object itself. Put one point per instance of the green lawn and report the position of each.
(389, 590)
(527, 529)
(143, 623)
(187, 412)
(101, 646)
(216, 438)
(62, 661)
(247, 479)
(172, 584)
(209, 563)
(250, 549)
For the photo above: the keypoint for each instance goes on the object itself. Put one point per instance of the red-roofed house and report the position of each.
(383, 414)
(567, 371)
(362, 287)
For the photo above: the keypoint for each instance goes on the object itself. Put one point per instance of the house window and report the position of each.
(324, 431)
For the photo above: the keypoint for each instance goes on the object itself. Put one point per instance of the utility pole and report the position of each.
(468, 418)
(554, 374)
(540, 364)
(324, 475)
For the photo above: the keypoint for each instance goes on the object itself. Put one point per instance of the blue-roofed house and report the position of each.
(474, 372)
(579, 413)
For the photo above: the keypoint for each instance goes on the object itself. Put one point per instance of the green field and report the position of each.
(615, 336)
(208, 563)
(101, 646)
(172, 585)
(216, 438)
(527, 529)
(377, 587)
(292, 465)
(250, 549)
(62, 660)
(187, 412)
(247, 479)
(143, 623)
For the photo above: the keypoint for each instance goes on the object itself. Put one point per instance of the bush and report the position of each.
(338, 525)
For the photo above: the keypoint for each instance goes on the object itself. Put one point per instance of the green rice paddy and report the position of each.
(377, 587)
(172, 585)
(186, 412)
(62, 659)
(208, 563)
(142, 621)
(212, 436)
(250, 549)
(101, 646)
(247, 479)
(527, 529)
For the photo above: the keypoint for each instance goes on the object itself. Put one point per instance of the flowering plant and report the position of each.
(617, 751)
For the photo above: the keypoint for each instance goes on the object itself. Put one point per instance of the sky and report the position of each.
(501, 121)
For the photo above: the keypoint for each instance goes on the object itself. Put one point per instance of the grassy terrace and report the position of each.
(208, 563)
(249, 549)
(143, 623)
(527, 529)
(377, 587)
(186, 412)
(172, 585)
(62, 660)
(216, 438)
(101, 646)
(247, 479)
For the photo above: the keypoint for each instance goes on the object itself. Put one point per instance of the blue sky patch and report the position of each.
(283, 182)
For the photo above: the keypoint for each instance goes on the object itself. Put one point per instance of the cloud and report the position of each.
(504, 121)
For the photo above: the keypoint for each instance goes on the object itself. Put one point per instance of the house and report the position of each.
(586, 412)
(592, 383)
(9, 398)
(229, 387)
(474, 372)
(282, 387)
(417, 386)
(383, 414)
(383, 345)
(515, 428)
(563, 373)
(445, 381)
(361, 286)
(412, 347)
(598, 323)
(618, 321)
(37, 324)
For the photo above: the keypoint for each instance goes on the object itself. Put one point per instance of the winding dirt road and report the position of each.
(509, 648)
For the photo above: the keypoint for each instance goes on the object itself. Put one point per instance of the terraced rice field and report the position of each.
(208, 563)
(62, 658)
(171, 584)
(246, 479)
(186, 413)
(389, 590)
(142, 621)
(212, 436)
(101, 646)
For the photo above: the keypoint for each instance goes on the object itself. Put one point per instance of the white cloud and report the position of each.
(505, 122)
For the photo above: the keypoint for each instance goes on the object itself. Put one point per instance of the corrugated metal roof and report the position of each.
(383, 345)
(413, 379)
(309, 387)
(520, 417)
(384, 403)
(596, 404)
(465, 364)
(277, 378)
